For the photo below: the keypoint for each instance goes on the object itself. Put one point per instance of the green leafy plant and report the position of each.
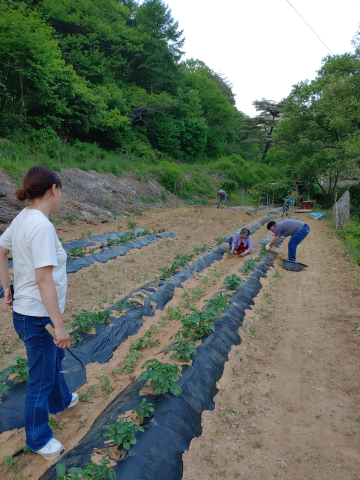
(232, 282)
(105, 386)
(249, 265)
(174, 313)
(163, 376)
(9, 463)
(144, 410)
(135, 354)
(180, 261)
(4, 390)
(86, 320)
(76, 252)
(198, 324)
(183, 349)
(218, 304)
(91, 471)
(55, 424)
(123, 433)
(122, 305)
(131, 224)
(219, 240)
(20, 370)
(75, 338)
(85, 397)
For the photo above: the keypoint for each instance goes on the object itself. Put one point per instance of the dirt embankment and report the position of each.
(92, 197)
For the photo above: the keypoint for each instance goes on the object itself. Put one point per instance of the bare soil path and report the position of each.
(288, 402)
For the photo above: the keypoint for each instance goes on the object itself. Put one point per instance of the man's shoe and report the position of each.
(74, 400)
(52, 449)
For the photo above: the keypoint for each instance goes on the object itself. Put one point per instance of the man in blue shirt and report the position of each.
(295, 229)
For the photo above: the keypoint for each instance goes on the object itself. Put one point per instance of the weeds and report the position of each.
(9, 463)
(55, 424)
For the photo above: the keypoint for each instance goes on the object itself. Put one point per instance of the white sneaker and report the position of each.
(74, 400)
(52, 449)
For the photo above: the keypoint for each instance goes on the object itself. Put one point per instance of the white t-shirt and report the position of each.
(34, 244)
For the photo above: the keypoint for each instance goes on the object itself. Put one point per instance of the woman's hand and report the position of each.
(8, 298)
(62, 337)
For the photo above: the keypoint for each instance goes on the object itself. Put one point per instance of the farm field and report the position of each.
(288, 401)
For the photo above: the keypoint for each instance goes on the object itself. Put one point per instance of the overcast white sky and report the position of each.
(262, 46)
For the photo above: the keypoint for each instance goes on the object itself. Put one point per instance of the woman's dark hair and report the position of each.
(270, 224)
(37, 182)
(245, 231)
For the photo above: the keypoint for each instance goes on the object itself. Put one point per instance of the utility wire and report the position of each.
(309, 27)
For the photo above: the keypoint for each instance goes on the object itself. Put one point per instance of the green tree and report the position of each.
(34, 80)
(320, 127)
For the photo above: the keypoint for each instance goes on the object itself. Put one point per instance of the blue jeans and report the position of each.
(295, 240)
(46, 391)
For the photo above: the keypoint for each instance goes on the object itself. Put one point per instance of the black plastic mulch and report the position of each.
(157, 454)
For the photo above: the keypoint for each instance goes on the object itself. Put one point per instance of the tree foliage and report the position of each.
(110, 72)
(318, 138)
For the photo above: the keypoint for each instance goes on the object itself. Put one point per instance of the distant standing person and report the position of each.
(221, 197)
(40, 285)
(241, 243)
(295, 229)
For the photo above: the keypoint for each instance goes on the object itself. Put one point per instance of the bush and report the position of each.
(230, 186)
(171, 177)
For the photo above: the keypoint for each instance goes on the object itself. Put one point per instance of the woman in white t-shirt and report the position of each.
(40, 284)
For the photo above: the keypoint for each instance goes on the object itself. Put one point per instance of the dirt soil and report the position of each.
(288, 401)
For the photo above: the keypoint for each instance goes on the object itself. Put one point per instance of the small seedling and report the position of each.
(20, 370)
(198, 324)
(4, 390)
(131, 224)
(55, 424)
(10, 464)
(144, 410)
(85, 397)
(219, 241)
(90, 471)
(105, 385)
(76, 252)
(86, 320)
(232, 282)
(163, 376)
(183, 349)
(123, 433)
